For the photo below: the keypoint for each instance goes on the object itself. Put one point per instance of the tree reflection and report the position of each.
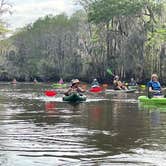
(116, 127)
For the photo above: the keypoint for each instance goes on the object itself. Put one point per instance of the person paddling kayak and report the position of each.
(154, 87)
(95, 83)
(132, 82)
(74, 88)
(118, 85)
(61, 81)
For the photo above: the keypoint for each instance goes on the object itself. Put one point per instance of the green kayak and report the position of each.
(75, 97)
(149, 101)
(57, 85)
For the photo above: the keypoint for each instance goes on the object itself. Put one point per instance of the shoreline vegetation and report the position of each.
(127, 36)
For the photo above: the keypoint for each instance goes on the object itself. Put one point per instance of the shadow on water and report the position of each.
(106, 130)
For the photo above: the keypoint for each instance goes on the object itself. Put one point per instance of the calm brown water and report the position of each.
(108, 129)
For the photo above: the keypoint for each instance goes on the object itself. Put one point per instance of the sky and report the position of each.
(27, 11)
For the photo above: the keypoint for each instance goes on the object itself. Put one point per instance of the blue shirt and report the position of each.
(154, 85)
(95, 83)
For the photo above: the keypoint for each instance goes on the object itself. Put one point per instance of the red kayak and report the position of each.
(96, 89)
(50, 93)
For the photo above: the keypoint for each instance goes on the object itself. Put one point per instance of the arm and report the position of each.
(120, 84)
(68, 91)
(154, 90)
(81, 90)
(150, 89)
(116, 84)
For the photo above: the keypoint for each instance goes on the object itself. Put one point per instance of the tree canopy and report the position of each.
(127, 36)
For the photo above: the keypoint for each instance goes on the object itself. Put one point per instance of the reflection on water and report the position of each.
(155, 117)
(107, 130)
(155, 112)
(50, 106)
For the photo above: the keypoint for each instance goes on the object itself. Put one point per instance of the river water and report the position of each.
(107, 129)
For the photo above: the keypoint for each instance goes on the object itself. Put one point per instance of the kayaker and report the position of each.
(35, 81)
(118, 85)
(61, 81)
(132, 82)
(95, 83)
(74, 88)
(14, 81)
(154, 87)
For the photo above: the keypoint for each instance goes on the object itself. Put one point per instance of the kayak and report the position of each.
(143, 87)
(74, 97)
(120, 91)
(57, 85)
(95, 89)
(132, 87)
(153, 101)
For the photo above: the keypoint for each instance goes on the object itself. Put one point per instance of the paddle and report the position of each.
(50, 93)
(110, 72)
(151, 94)
(95, 89)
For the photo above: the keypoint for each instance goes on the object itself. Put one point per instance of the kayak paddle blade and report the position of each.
(95, 89)
(110, 72)
(50, 93)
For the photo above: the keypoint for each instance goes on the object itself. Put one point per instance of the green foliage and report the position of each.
(3, 29)
(46, 49)
(157, 37)
(106, 10)
(5, 7)
(128, 35)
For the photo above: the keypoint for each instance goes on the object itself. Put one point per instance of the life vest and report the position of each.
(154, 85)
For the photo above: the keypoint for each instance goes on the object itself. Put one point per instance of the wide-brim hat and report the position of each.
(154, 76)
(75, 81)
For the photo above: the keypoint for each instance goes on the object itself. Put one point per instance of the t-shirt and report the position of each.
(154, 85)
(95, 83)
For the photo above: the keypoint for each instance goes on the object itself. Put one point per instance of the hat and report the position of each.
(154, 75)
(74, 81)
(116, 77)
